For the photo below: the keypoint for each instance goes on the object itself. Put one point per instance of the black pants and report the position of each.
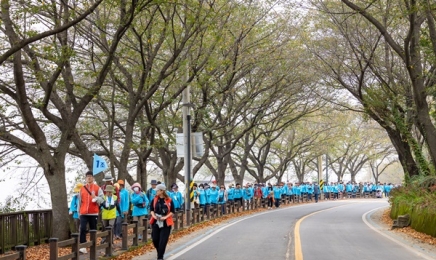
(277, 202)
(160, 238)
(84, 220)
(270, 202)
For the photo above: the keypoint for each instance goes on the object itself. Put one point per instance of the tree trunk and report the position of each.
(58, 194)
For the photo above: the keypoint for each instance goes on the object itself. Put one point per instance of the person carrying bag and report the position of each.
(162, 211)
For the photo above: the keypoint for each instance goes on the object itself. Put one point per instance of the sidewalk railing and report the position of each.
(24, 228)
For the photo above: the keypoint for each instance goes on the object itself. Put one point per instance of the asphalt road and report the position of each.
(329, 230)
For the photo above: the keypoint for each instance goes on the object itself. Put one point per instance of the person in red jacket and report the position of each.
(90, 197)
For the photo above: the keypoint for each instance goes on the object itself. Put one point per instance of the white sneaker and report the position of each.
(83, 250)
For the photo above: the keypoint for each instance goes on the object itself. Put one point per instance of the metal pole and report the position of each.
(187, 147)
(319, 168)
(326, 169)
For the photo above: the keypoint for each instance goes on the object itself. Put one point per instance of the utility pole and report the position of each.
(186, 99)
(326, 169)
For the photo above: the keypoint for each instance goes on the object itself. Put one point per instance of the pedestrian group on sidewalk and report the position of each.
(114, 202)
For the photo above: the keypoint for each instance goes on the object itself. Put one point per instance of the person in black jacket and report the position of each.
(162, 211)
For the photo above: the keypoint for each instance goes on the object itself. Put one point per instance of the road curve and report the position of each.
(331, 230)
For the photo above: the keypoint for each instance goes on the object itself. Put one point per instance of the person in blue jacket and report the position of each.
(355, 189)
(303, 190)
(230, 193)
(309, 188)
(202, 196)
(349, 189)
(151, 192)
(297, 192)
(288, 191)
(247, 195)
(213, 195)
(326, 191)
(335, 190)
(222, 198)
(124, 202)
(238, 195)
(277, 195)
(177, 197)
(74, 210)
(140, 204)
(316, 192)
(265, 190)
(388, 189)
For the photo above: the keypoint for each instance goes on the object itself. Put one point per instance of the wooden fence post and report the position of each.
(109, 240)
(208, 212)
(53, 248)
(182, 221)
(125, 234)
(145, 231)
(135, 231)
(75, 246)
(22, 250)
(93, 248)
(176, 220)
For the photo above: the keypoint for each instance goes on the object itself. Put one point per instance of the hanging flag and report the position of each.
(99, 165)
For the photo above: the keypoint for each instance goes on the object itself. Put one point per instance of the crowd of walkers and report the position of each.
(113, 202)
(205, 194)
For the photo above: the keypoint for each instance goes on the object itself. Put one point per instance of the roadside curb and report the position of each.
(382, 229)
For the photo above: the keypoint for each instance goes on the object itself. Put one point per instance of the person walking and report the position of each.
(316, 192)
(258, 194)
(140, 204)
(162, 211)
(109, 209)
(124, 202)
(176, 197)
(74, 209)
(151, 192)
(222, 198)
(90, 198)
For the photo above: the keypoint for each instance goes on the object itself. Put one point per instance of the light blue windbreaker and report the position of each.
(349, 187)
(238, 193)
(380, 187)
(151, 193)
(388, 188)
(335, 189)
(297, 190)
(289, 190)
(265, 192)
(247, 194)
(73, 207)
(207, 192)
(277, 192)
(124, 202)
(309, 188)
(356, 188)
(140, 204)
(341, 187)
(213, 196)
(202, 196)
(177, 198)
(221, 197)
(303, 188)
(365, 188)
(230, 193)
